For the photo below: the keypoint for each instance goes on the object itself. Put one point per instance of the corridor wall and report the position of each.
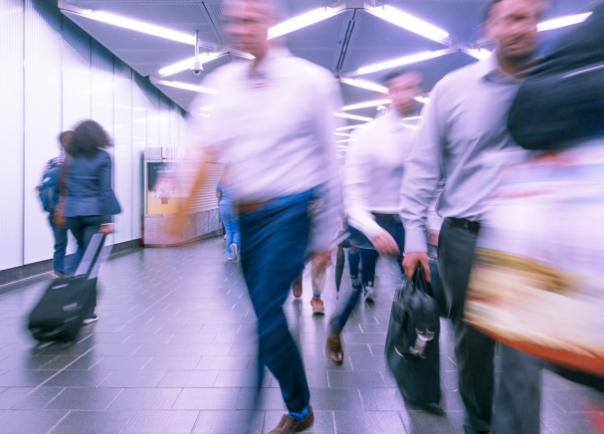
(53, 75)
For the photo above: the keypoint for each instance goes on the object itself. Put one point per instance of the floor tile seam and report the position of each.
(63, 389)
(60, 371)
(151, 306)
(56, 425)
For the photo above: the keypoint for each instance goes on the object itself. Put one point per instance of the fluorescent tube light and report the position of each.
(402, 61)
(422, 99)
(364, 84)
(477, 53)
(343, 135)
(353, 117)
(186, 86)
(343, 141)
(349, 127)
(186, 64)
(138, 26)
(412, 118)
(560, 22)
(410, 23)
(301, 21)
(366, 104)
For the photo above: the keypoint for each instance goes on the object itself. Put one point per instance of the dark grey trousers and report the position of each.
(516, 409)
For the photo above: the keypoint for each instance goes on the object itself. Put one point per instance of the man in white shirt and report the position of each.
(373, 175)
(462, 147)
(273, 126)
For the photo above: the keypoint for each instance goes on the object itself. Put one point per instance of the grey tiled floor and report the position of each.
(173, 352)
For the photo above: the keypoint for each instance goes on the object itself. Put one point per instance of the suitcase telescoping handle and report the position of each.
(94, 255)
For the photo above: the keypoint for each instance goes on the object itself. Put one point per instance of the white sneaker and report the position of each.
(369, 294)
(87, 321)
(235, 252)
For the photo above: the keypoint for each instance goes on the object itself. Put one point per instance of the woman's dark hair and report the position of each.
(88, 137)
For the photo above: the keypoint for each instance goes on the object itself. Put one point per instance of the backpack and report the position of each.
(48, 190)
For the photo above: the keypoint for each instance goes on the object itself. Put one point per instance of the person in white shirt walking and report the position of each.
(373, 176)
(463, 146)
(273, 126)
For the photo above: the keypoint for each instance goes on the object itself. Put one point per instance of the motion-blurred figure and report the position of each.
(273, 127)
(318, 284)
(463, 139)
(48, 191)
(230, 220)
(88, 202)
(373, 177)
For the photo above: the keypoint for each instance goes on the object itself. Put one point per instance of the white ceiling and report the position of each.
(341, 44)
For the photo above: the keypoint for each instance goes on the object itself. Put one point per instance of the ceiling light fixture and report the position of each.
(477, 53)
(343, 141)
(186, 86)
(422, 99)
(410, 23)
(349, 127)
(366, 104)
(353, 117)
(402, 61)
(301, 21)
(364, 84)
(187, 64)
(564, 21)
(343, 135)
(137, 26)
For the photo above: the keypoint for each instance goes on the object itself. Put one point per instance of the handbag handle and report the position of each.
(420, 284)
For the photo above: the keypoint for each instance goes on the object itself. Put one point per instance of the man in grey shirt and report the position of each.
(463, 140)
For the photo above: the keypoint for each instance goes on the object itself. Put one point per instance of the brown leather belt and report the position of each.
(248, 207)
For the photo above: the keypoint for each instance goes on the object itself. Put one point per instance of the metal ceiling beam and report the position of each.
(345, 42)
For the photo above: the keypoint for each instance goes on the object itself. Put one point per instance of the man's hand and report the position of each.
(413, 260)
(106, 229)
(321, 260)
(385, 244)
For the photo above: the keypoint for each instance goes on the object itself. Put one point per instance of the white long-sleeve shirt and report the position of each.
(463, 140)
(274, 129)
(374, 171)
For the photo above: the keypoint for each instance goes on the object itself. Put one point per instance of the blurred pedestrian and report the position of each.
(48, 192)
(230, 220)
(463, 140)
(373, 176)
(273, 127)
(88, 202)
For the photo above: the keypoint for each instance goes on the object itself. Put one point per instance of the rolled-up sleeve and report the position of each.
(327, 100)
(422, 174)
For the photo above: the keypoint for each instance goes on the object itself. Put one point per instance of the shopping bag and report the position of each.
(538, 279)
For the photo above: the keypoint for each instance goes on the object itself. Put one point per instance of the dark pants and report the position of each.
(366, 259)
(83, 228)
(274, 240)
(393, 225)
(518, 398)
(59, 234)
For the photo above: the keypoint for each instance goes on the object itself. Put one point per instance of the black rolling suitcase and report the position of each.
(59, 314)
(412, 343)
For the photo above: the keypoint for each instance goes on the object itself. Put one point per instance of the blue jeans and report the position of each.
(231, 225)
(274, 240)
(59, 234)
(394, 226)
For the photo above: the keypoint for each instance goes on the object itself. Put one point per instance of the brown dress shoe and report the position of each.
(289, 425)
(334, 349)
